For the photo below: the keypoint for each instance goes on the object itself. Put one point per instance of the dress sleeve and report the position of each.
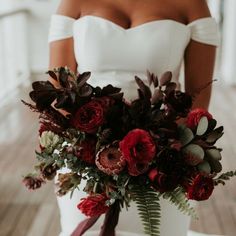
(61, 27)
(205, 30)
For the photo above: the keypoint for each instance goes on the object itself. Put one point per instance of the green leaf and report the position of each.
(149, 209)
(185, 134)
(204, 167)
(194, 154)
(214, 153)
(202, 126)
(223, 177)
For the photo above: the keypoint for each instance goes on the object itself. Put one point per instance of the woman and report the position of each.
(116, 40)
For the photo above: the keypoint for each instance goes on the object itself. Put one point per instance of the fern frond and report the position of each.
(178, 198)
(223, 177)
(149, 209)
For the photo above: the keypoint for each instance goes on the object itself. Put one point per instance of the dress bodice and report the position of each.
(114, 54)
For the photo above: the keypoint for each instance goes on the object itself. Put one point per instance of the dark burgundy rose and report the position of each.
(86, 150)
(179, 101)
(93, 205)
(138, 149)
(170, 171)
(89, 117)
(201, 188)
(195, 116)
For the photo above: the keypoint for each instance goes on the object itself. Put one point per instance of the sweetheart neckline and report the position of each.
(137, 26)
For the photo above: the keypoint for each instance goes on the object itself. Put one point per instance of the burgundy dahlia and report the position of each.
(201, 188)
(138, 149)
(89, 117)
(110, 160)
(93, 205)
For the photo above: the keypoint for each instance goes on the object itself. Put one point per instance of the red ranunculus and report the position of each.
(138, 149)
(201, 188)
(86, 150)
(195, 116)
(89, 117)
(93, 205)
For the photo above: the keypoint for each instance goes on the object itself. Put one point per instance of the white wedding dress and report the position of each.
(114, 55)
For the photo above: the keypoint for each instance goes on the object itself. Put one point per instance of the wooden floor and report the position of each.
(24, 213)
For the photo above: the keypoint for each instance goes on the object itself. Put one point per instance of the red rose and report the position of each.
(89, 117)
(93, 205)
(201, 188)
(195, 116)
(138, 149)
(86, 150)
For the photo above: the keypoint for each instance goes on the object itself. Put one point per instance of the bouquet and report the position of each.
(124, 150)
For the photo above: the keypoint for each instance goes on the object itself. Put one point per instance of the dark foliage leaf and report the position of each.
(170, 87)
(52, 74)
(215, 135)
(63, 77)
(117, 96)
(42, 85)
(157, 96)
(143, 88)
(211, 125)
(85, 91)
(83, 78)
(165, 78)
(109, 89)
(43, 99)
(152, 79)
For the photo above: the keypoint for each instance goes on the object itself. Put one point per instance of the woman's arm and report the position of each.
(62, 51)
(199, 59)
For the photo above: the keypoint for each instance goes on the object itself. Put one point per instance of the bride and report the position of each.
(116, 40)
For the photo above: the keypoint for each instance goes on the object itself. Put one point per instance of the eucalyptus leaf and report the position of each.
(215, 165)
(202, 126)
(194, 154)
(185, 134)
(204, 167)
(214, 153)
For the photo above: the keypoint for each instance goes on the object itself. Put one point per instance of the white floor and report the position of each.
(191, 233)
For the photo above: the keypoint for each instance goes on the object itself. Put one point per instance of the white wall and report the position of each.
(38, 22)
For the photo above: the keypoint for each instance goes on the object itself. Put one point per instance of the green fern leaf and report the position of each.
(149, 209)
(178, 198)
(225, 176)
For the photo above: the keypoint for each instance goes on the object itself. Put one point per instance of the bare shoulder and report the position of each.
(194, 9)
(70, 8)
